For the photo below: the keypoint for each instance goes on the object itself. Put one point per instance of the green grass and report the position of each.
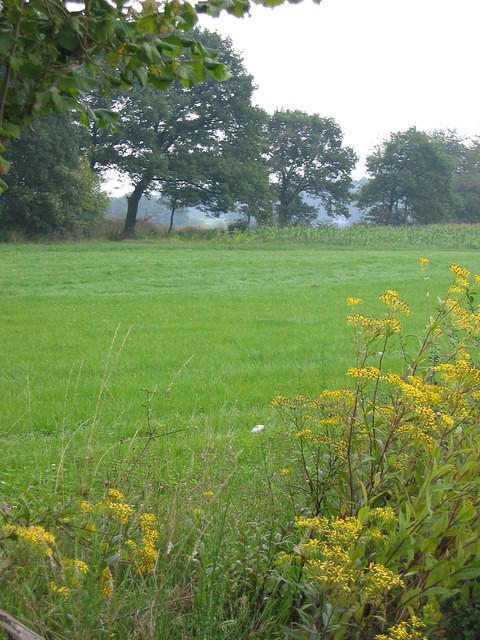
(188, 339)
(217, 328)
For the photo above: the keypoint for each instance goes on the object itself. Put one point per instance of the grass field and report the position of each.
(216, 330)
(144, 366)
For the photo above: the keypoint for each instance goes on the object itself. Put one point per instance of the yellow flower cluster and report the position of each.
(391, 299)
(462, 371)
(368, 324)
(353, 302)
(115, 495)
(423, 262)
(34, 535)
(329, 422)
(336, 395)
(279, 401)
(284, 472)
(62, 590)
(336, 447)
(86, 506)
(380, 579)
(333, 570)
(131, 545)
(107, 587)
(427, 416)
(417, 435)
(393, 324)
(147, 555)
(469, 322)
(384, 515)
(117, 507)
(364, 373)
(339, 531)
(77, 565)
(407, 630)
(426, 393)
(462, 275)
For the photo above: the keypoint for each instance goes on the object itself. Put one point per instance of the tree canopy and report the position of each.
(305, 156)
(52, 189)
(465, 157)
(411, 180)
(189, 144)
(53, 51)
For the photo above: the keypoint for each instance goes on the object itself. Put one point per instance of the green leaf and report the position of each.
(10, 131)
(218, 71)
(83, 120)
(151, 53)
(105, 117)
(3, 186)
(6, 41)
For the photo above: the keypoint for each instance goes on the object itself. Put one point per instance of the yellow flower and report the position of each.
(34, 536)
(85, 506)
(114, 495)
(121, 511)
(367, 373)
(107, 588)
(423, 262)
(384, 515)
(62, 590)
(391, 300)
(353, 302)
(208, 494)
(408, 630)
(284, 472)
(131, 545)
(147, 521)
(81, 566)
(380, 579)
(460, 272)
(146, 559)
(279, 401)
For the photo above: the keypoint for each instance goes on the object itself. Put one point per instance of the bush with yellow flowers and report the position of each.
(76, 556)
(391, 466)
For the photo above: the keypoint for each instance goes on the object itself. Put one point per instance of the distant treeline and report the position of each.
(209, 149)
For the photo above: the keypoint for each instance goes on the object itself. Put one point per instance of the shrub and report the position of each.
(391, 469)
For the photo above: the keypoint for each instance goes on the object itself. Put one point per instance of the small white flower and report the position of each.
(257, 428)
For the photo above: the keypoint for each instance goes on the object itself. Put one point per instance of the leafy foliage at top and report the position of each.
(51, 51)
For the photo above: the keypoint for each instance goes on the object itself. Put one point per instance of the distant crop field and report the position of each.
(102, 341)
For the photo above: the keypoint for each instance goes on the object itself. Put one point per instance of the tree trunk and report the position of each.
(283, 217)
(132, 208)
(172, 214)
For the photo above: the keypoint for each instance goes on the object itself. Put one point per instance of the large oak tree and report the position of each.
(306, 156)
(189, 143)
(411, 180)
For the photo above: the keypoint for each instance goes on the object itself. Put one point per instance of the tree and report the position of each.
(181, 140)
(52, 190)
(411, 180)
(465, 155)
(51, 52)
(305, 156)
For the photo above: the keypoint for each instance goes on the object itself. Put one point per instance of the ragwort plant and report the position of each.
(76, 557)
(391, 468)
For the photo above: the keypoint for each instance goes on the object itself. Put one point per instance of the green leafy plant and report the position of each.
(391, 470)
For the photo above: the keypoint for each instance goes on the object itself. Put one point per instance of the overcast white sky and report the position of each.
(375, 66)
